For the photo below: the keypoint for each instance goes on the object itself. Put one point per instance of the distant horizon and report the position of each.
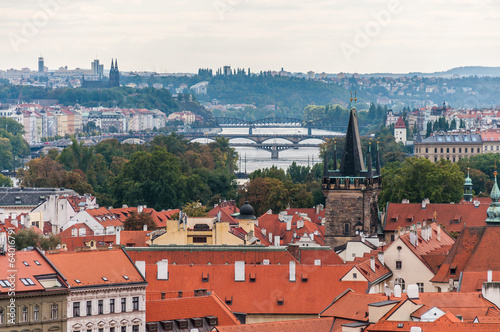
(369, 37)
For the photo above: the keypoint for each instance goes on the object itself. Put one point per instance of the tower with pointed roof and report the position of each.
(352, 191)
(400, 131)
(493, 211)
(114, 74)
(468, 188)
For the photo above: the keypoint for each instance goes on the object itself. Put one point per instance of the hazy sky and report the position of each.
(298, 35)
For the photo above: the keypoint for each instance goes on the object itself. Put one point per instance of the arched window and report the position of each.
(400, 282)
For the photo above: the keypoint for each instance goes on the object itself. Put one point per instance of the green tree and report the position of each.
(417, 178)
(136, 221)
(195, 209)
(29, 238)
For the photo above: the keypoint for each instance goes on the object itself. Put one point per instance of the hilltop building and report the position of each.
(352, 191)
(400, 131)
(114, 77)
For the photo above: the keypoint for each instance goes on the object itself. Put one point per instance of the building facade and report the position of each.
(451, 147)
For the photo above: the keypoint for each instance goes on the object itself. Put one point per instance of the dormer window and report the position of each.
(453, 269)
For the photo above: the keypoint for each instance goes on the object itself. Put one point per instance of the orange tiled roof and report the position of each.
(190, 307)
(134, 238)
(31, 270)
(311, 213)
(452, 216)
(400, 123)
(380, 270)
(90, 267)
(314, 324)
(272, 225)
(266, 288)
(226, 209)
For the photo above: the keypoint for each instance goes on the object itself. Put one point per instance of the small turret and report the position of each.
(494, 209)
(468, 188)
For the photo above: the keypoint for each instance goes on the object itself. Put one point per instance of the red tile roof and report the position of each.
(134, 238)
(190, 307)
(400, 123)
(89, 267)
(453, 217)
(314, 324)
(226, 209)
(307, 295)
(310, 212)
(214, 255)
(380, 270)
(31, 270)
(272, 224)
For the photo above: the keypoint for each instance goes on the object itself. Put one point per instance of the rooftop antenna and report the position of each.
(245, 163)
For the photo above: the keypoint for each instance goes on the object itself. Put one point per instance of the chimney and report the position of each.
(439, 233)
(144, 227)
(381, 257)
(256, 222)
(118, 237)
(300, 223)
(372, 263)
(265, 262)
(139, 209)
(270, 237)
(490, 275)
(162, 270)
(397, 291)
(141, 266)
(317, 262)
(13, 220)
(264, 231)
(424, 204)
(239, 271)
(412, 291)
(289, 224)
(277, 240)
(292, 271)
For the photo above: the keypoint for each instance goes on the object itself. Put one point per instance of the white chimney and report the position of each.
(277, 240)
(292, 271)
(13, 220)
(239, 271)
(270, 237)
(381, 257)
(412, 291)
(317, 262)
(424, 204)
(139, 209)
(256, 222)
(118, 237)
(372, 263)
(289, 224)
(144, 227)
(415, 329)
(162, 270)
(439, 233)
(490, 276)
(264, 231)
(397, 291)
(141, 266)
(265, 262)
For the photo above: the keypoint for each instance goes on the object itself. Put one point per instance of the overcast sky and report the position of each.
(298, 35)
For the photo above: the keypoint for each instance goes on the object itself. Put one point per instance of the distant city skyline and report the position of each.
(393, 36)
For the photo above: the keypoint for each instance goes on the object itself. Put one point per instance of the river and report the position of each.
(252, 159)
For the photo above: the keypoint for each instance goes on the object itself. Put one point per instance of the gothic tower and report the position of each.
(114, 75)
(352, 191)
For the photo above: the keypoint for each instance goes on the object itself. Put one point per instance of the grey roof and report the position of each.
(383, 303)
(356, 324)
(453, 139)
(29, 196)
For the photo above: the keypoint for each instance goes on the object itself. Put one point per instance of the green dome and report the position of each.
(493, 211)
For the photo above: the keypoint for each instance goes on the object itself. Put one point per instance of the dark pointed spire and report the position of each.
(112, 65)
(378, 160)
(325, 163)
(116, 64)
(334, 155)
(369, 160)
(352, 159)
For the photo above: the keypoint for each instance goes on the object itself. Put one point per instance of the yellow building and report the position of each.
(451, 147)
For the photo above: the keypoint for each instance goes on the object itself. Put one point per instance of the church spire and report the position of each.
(369, 160)
(493, 211)
(468, 188)
(112, 65)
(352, 158)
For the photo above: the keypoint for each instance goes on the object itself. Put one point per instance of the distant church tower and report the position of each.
(468, 188)
(114, 75)
(352, 191)
(400, 131)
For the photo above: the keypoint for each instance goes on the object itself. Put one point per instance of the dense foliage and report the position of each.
(27, 237)
(12, 144)
(416, 179)
(167, 173)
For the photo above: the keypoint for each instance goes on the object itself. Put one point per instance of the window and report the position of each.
(453, 150)
(112, 305)
(346, 228)
(124, 329)
(392, 238)
(2, 317)
(135, 328)
(101, 330)
(24, 317)
(435, 150)
(199, 239)
(89, 308)
(400, 282)
(420, 287)
(459, 150)
(111, 329)
(355, 276)
(76, 309)
(465, 150)
(124, 304)
(27, 282)
(100, 307)
(399, 265)
(453, 269)
(135, 303)
(37, 263)
(447, 150)
(426, 150)
(36, 312)
(53, 311)
(5, 283)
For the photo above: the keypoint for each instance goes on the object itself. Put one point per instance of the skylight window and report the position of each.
(77, 281)
(27, 282)
(37, 263)
(125, 277)
(26, 263)
(104, 278)
(3, 283)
